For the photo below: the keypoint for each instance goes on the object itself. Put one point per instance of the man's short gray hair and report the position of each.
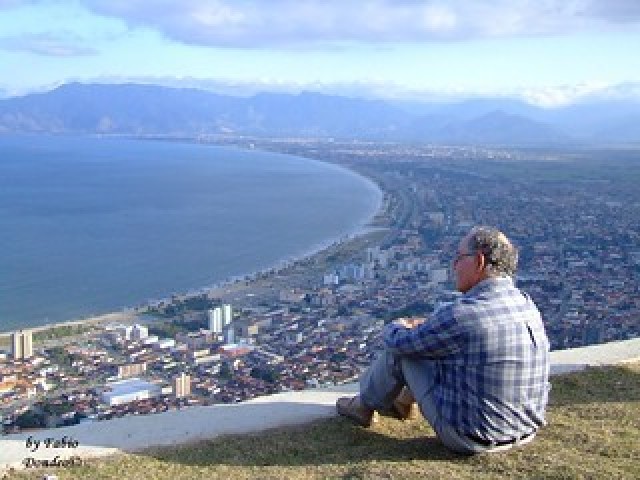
(500, 255)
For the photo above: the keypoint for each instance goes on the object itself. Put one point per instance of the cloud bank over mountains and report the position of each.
(291, 23)
(545, 97)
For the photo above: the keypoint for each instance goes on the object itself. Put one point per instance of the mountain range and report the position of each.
(137, 109)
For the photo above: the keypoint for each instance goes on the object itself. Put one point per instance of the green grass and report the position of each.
(61, 331)
(593, 433)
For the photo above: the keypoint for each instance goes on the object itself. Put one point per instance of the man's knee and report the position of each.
(419, 374)
(382, 381)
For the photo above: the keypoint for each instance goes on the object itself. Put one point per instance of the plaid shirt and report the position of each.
(492, 360)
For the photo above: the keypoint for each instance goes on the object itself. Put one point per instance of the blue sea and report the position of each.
(90, 225)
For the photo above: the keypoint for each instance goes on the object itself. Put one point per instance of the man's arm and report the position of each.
(437, 337)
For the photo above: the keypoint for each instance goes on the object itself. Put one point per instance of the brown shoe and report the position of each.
(404, 406)
(405, 411)
(354, 409)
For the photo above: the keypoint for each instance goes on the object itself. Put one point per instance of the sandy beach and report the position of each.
(113, 317)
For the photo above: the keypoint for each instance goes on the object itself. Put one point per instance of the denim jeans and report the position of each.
(390, 373)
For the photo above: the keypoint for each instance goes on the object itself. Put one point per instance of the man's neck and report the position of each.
(488, 280)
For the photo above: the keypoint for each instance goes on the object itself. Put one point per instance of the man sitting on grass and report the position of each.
(478, 368)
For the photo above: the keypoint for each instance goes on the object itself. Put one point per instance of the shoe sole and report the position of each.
(347, 413)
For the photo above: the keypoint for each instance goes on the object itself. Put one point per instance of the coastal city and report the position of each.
(315, 321)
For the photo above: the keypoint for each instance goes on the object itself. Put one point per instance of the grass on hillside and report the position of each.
(593, 433)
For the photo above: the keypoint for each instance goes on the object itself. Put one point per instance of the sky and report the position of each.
(548, 52)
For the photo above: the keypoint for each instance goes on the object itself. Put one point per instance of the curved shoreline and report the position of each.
(129, 313)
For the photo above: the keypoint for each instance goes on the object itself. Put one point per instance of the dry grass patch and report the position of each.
(593, 433)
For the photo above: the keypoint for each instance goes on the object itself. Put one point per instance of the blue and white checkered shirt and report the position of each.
(492, 360)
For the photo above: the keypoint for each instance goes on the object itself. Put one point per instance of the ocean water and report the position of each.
(90, 225)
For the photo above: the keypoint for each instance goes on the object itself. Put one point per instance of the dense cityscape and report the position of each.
(315, 322)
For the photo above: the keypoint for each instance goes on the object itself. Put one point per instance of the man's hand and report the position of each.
(409, 322)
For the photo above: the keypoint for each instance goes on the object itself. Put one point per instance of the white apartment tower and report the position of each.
(182, 385)
(227, 314)
(27, 344)
(215, 320)
(229, 335)
(139, 332)
(16, 345)
(21, 345)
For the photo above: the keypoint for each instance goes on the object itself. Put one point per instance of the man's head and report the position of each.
(484, 252)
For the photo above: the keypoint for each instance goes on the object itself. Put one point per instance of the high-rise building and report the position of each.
(125, 331)
(215, 320)
(139, 332)
(182, 385)
(227, 314)
(21, 344)
(229, 335)
(16, 345)
(27, 344)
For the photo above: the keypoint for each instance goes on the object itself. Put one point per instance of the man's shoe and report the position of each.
(404, 406)
(405, 411)
(354, 409)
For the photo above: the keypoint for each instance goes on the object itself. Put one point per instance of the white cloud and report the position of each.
(295, 23)
(216, 16)
(559, 96)
(47, 44)
(547, 97)
(439, 18)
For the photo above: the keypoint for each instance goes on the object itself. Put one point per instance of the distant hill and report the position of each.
(147, 109)
(144, 109)
(496, 127)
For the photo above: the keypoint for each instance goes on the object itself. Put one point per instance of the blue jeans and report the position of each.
(390, 373)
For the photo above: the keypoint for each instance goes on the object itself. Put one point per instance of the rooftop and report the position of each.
(130, 385)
